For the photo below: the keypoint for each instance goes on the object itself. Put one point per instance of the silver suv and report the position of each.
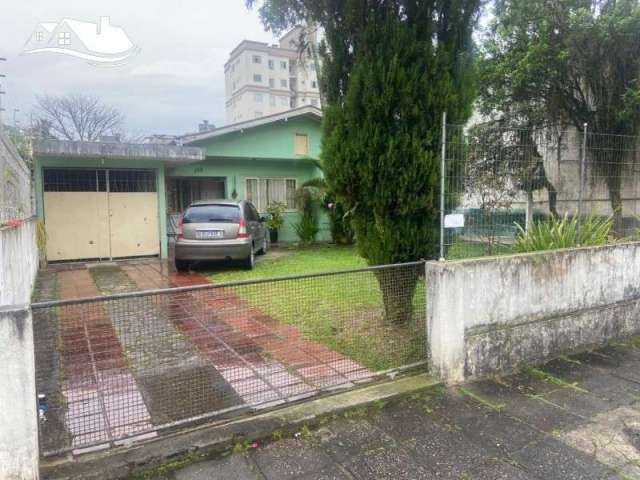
(220, 230)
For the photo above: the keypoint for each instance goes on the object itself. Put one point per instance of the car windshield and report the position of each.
(212, 213)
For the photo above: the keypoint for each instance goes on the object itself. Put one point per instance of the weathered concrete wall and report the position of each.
(18, 262)
(18, 410)
(493, 315)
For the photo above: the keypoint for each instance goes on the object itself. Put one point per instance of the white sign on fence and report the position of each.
(454, 220)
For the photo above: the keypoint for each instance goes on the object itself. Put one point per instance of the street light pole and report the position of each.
(2, 59)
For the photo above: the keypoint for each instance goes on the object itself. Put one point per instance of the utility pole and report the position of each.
(1, 93)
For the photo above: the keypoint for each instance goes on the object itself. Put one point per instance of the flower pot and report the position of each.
(273, 235)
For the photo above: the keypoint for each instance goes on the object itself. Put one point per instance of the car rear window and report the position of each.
(212, 213)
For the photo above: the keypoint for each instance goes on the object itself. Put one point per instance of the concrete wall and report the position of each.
(19, 263)
(18, 411)
(493, 315)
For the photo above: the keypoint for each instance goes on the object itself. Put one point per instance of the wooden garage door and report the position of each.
(100, 213)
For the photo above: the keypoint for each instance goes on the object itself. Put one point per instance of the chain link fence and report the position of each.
(131, 366)
(500, 179)
(16, 185)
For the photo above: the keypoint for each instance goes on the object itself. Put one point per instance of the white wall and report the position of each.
(493, 315)
(18, 263)
(18, 268)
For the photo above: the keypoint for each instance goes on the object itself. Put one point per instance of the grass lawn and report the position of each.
(343, 311)
(461, 249)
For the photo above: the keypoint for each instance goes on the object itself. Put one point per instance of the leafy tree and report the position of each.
(390, 68)
(568, 62)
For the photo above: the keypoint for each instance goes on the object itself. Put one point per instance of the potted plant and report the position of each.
(276, 219)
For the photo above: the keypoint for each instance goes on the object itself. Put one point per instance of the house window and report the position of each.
(314, 84)
(64, 38)
(257, 97)
(39, 36)
(257, 59)
(283, 65)
(283, 83)
(301, 145)
(271, 64)
(272, 100)
(257, 78)
(272, 83)
(262, 192)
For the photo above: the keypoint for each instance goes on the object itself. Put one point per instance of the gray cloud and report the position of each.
(175, 81)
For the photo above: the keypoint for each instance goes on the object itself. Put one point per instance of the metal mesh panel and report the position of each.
(15, 183)
(497, 178)
(134, 365)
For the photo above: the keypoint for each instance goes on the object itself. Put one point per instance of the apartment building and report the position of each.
(263, 79)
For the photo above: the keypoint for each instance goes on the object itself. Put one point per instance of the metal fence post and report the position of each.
(443, 154)
(583, 163)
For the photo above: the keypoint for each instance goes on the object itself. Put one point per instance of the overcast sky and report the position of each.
(174, 82)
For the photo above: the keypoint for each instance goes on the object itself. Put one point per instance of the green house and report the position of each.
(115, 200)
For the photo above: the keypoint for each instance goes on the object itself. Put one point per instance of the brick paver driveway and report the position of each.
(126, 366)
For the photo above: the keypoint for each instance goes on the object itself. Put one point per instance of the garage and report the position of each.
(100, 213)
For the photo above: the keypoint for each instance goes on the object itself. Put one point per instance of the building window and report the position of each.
(272, 100)
(314, 84)
(64, 38)
(271, 64)
(257, 97)
(301, 145)
(272, 83)
(283, 65)
(257, 78)
(284, 101)
(283, 83)
(257, 59)
(262, 192)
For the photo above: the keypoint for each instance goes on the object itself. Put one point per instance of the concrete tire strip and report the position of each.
(131, 365)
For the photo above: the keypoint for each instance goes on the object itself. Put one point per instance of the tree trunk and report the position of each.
(398, 287)
(615, 197)
(553, 198)
(529, 212)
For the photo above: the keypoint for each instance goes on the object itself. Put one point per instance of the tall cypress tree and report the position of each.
(390, 68)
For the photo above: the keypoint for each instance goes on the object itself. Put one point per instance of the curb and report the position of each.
(199, 443)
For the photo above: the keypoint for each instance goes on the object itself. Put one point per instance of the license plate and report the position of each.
(209, 234)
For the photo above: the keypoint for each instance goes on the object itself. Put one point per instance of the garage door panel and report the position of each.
(134, 224)
(77, 225)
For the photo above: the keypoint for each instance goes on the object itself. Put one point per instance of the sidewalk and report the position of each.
(574, 418)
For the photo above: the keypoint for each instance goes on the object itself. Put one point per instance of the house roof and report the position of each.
(308, 111)
(122, 151)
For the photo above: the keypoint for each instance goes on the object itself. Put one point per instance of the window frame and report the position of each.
(260, 208)
(295, 144)
(257, 78)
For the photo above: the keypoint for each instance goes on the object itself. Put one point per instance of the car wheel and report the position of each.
(250, 261)
(265, 246)
(182, 265)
